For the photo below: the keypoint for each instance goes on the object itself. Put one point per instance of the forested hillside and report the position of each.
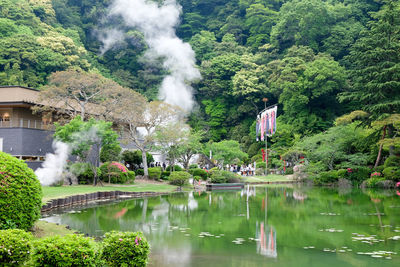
(318, 59)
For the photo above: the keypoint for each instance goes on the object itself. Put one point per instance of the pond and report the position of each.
(258, 226)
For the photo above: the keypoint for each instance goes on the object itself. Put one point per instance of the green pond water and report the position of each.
(258, 226)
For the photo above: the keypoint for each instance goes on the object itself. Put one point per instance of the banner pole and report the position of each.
(266, 154)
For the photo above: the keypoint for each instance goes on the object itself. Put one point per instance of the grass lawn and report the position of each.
(44, 229)
(51, 192)
(268, 178)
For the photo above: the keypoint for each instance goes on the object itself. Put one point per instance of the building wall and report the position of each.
(26, 142)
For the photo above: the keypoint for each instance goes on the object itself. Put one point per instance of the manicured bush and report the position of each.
(193, 166)
(69, 250)
(139, 172)
(131, 177)
(328, 177)
(220, 176)
(125, 249)
(261, 165)
(155, 173)
(84, 172)
(179, 178)
(199, 172)
(392, 161)
(114, 172)
(20, 194)
(165, 175)
(15, 247)
(374, 182)
(342, 173)
(177, 168)
(392, 173)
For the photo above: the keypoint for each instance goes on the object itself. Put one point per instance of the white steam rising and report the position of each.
(158, 22)
(52, 169)
(109, 38)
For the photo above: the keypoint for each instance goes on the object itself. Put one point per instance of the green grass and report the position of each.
(44, 229)
(268, 178)
(50, 192)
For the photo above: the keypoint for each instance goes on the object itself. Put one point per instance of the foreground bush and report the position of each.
(15, 247)
(155, 173)
(69, 250)
(199, 172)
(179, 178)
(220, 176)
(125, 249)
(20, 194)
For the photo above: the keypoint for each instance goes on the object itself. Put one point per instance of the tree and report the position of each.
(87, 138)
(134, 158)
(139, 120)
(225, 151)
(375, 65)
(190, 146)
(75, 92)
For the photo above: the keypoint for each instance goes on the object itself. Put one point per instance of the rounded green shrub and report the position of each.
(328, 177)
(342, 173)
(131, 176)
(392, 161)
(69, 250)
(392, 173)
(15, 247)
(165, 175)
(358, 174)
(179, 178)
(139, 172)
(20, 194)
(125, 249)
(177, 168)
(220, 176)
(114, 172)
(193, 166)
(374, 182)
(155, 173)
(199, 172)
(261, 165)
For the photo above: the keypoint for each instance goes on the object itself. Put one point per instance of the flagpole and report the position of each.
(266, 154)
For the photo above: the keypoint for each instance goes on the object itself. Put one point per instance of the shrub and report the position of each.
(69, 250)
(131, 176)
(379, 168)
(358, 174)
(177, 168)
(342, 173)
(84, 172)
(392, 161)
(392, 173)
(261, 165)
(15, 246)
(193, 166)
(199, 172)
(140, 172)
(374, 182)
(326, 177)
(289, 170)
(20, 194)
(165, 175)
(221, 176)
(110, 153)
(197, 178)
(179, 178)
(125, 249)
(114, 172)
(134, 157)
(155, 173)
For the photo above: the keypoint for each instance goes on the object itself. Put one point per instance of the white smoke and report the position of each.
(52, 169)
(158, 22)
(109, 38)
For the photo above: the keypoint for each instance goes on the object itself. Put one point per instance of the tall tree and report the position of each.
(375, 66)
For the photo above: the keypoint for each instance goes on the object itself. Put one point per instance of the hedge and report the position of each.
(20, 194)
(179, 178)
(155, 173)
(15, 247)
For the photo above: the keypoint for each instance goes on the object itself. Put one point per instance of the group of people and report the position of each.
(158, 164)
(244, 170)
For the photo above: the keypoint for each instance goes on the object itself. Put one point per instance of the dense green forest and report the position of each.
(318, 59)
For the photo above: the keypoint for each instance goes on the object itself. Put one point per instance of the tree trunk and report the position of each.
(145, 168)
(378, 158)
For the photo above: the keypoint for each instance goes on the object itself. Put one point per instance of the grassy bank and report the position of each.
(267, 178)
(50, 192)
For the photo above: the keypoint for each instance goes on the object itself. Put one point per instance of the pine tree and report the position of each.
(375, 60)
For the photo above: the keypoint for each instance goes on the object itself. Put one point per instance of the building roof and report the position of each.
(18, 95)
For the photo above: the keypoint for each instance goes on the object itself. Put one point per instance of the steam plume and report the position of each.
(52, 169)
(158, 22)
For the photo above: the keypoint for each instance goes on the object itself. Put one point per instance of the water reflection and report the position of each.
(252, 226)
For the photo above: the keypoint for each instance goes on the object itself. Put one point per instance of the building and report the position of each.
(23, 134)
